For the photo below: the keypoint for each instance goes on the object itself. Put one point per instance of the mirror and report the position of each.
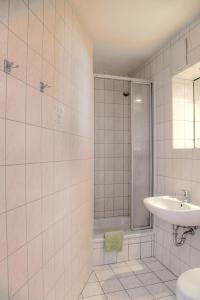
(186, 108)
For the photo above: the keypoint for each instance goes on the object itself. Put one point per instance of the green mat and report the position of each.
(113, 241)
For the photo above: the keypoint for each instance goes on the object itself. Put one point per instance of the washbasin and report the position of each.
(173, 210)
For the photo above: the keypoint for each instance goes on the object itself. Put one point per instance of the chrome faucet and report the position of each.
(185, 196)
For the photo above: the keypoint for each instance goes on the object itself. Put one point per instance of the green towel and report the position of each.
(113, 241)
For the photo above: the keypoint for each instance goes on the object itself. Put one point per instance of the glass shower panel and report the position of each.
(141, 123)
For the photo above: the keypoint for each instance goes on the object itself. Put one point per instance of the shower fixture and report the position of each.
(125, 94)
(9, 65)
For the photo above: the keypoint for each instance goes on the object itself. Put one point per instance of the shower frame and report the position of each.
(151, 138)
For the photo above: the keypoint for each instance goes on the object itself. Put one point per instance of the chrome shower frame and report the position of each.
(151, 136)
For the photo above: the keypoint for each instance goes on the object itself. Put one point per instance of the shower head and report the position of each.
(125, 94)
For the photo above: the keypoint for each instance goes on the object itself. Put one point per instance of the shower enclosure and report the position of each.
(123, 153)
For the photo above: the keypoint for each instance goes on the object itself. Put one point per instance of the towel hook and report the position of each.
(43, 86)
(9, 65)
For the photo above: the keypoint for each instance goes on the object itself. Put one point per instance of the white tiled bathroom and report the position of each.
(99, 150)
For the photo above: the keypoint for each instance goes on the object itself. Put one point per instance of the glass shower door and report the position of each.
(142, 153)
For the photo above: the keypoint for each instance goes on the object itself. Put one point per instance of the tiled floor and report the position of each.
(145, 279)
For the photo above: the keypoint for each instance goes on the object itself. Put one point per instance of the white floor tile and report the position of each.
(159, 290)
(134, 262)
(140, 293)
(130, 282)
(98, 297)
(122, 295)
(148, 259)
(92, 278)
(165, 275)
(155, 266)
(140, 268)
(123, 271)
(104, 274)
(112, 285)
(103, 267)
(92, 289)
(148, 278)
(168, 298)
(171, 285)
(118, 265)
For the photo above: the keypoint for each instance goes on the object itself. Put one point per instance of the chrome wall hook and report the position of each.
(9, 65)
(43, 86)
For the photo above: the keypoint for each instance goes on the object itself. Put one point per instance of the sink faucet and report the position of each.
(185, 196)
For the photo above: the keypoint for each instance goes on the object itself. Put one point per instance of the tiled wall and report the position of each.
(45, 141)
(175, 169)
(135, 246)
(112, 148)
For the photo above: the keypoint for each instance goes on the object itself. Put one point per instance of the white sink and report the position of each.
(173, 210)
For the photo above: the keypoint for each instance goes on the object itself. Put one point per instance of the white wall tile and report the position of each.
(22, 293)
(4, 279)
(33, 106)
(15, 142)
(3, 188)
(35, 32)
(17, 268)
(16, 228)
(34, 256)
(17, 52)
(20, 28)
(134, 251)
(146, 250)
(16, 99)
(36, 287)
(15, 186)
(34, 219)
(3, 241)
(33, 182)
(2, 142)
(33, 144)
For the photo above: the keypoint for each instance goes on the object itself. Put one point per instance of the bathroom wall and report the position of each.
(175, 169)
(45, 151)
(112, 148)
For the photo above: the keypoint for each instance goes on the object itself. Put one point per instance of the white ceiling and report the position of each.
(127, 32)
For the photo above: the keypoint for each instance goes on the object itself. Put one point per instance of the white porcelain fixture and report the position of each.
(173, 210)
(188, 285)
